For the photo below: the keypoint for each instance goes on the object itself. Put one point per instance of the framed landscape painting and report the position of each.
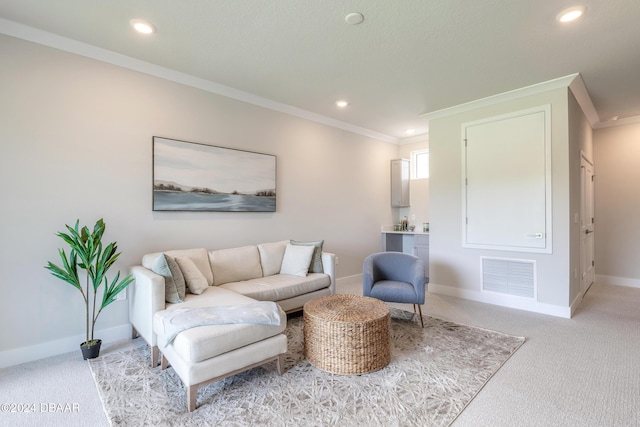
(197, 177)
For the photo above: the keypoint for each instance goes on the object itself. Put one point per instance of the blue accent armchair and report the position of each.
(394, 277)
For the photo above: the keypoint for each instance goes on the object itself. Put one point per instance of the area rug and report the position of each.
(433, 375)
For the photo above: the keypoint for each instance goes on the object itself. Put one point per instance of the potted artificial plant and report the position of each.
(87, 254)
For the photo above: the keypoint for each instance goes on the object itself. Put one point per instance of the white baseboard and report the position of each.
(509, 301)
(488, 298)
(618, 281)
(349, 279)
(20, 355)
(576, 302)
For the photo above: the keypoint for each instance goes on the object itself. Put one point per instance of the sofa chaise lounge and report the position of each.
(288, 273)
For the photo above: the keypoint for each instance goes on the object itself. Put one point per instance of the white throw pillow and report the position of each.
(296, 260)
(196, 282)
(316, 260)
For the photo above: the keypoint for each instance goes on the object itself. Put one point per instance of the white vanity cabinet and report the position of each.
(421, 250)
(400, 183)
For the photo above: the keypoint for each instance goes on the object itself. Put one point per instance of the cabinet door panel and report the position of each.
(421, 250)
(506, 194)
(400, 183)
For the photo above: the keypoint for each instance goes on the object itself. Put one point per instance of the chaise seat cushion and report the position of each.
(279, 287)
(204, 342)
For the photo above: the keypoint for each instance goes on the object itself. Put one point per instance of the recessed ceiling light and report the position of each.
(410, 131)
(571, 14)
(354, 18)
(142, 26)
(342, 103)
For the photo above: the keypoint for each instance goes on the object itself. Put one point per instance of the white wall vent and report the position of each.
(509, 276)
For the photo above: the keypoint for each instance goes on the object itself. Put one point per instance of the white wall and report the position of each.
(456, 271)
(75, 142)
(617, 207)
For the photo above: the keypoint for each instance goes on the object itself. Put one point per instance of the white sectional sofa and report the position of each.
(282, 272)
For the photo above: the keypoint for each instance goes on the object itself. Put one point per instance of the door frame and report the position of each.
(587, 224)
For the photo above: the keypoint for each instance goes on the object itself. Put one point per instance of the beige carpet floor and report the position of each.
(434, 373)
(581, 372)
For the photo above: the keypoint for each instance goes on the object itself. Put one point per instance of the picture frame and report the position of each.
(189, 176)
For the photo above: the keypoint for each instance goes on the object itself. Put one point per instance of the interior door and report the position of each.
(587, 248)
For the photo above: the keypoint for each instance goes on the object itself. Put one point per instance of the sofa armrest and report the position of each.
(146, 297)
(329, 267)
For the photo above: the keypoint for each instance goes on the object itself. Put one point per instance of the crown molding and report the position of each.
(574, 82)
(620, 122)
(581, 94)
(579, 90)
(507, 96)
(45, 38)
(423, 137)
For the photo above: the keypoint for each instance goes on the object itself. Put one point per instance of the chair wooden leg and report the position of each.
(134, 333)
(420, 310)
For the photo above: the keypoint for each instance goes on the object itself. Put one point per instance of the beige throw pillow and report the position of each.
(199, 257)
(271, 255)
(196, 281)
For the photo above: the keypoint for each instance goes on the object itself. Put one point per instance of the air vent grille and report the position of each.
(508, 276)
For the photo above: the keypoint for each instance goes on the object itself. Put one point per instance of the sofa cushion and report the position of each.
(162, 265)
(193, 277)
(296, 260)
(271, 255)
(199, 257)
(280, 286)
(232, 265)
(316, 260)
(204, 342)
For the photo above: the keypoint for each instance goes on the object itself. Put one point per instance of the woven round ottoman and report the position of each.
(347, 334)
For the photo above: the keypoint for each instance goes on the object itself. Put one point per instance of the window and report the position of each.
(420, 164)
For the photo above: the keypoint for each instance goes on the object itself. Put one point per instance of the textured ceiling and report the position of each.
(407, 58)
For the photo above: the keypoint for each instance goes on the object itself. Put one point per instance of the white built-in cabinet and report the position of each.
(400, 169)
(506, 202)
(421, 250)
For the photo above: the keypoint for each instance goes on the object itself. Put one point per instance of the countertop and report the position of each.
(388, 229)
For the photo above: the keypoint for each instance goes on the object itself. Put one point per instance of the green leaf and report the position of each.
(67, 238)
(98, 229)
(111, 291)
(69, 271)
